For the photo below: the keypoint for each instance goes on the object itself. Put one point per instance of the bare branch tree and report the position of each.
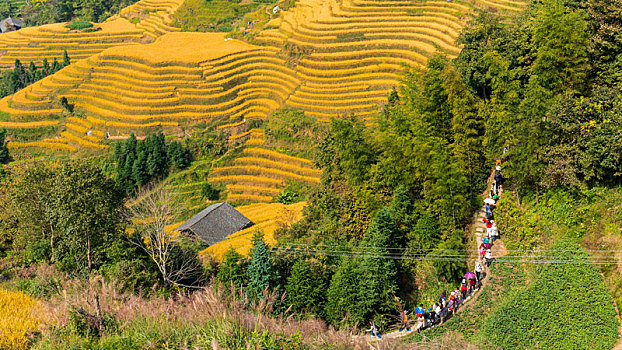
(152, 216)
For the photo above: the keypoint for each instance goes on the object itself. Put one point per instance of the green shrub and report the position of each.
(566, 307)
(79, 25)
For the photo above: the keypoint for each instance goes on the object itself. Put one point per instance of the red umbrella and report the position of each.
(469, 275)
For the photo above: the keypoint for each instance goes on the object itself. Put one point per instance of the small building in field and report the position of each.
(215, 223)
(10, 24)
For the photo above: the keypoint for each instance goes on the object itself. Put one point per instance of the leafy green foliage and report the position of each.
(452, 245)
(210, 192)
(79, 25)
(232, 269)
(69, 215)
(543, 93)
(342, 292)
(46, 12)
(293, 132)
(306, 287)
(566, 307)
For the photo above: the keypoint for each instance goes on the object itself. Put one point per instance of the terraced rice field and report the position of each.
(327, 58)
(260, 174)
(267, 218)
(49, 41)
(353, 53)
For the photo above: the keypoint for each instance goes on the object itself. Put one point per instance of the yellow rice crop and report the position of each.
(278, 165)
(255, 142)
(276, 155)
(248, 197)
(81, 141)
(56, 145)
(183, 47)
(266, 171)
(232, 125)
(271, 217)
(76, 127)
(20, 314)
(135, 125)
(28, 125)
(56, 140)
(252, 179)
(239, 136)
(253, 189)
(82, 122)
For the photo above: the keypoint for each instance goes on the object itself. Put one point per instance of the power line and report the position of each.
(457, 250)
(538, 259)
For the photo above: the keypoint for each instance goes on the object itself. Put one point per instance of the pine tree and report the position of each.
(306, 288)
(343, 292)
(378, 276)
(261, 273)
(139, 169)
(46, 67)
(55, 66)
(18, 78)
(66, 60)
(33, 74)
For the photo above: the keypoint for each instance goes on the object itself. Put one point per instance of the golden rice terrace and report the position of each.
(327, 58)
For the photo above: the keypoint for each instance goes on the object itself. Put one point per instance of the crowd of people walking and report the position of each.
(447, 305)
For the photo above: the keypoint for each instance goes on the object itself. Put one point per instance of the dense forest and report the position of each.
(542, 90)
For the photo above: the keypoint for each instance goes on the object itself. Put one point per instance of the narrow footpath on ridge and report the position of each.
(498, 249)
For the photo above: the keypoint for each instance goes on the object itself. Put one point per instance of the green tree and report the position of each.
(46, 67)
(306, 288)
(346, 151)
(342, 294)
(261, 274)
(453, 245)
(232, 270)
(66, 60)
(378, 276)
(560, 40)
(69, 213)
(55, 66)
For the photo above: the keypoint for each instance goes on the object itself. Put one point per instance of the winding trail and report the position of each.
(478, 229)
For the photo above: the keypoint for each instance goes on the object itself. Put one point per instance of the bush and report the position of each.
(210, 192)
(79, 25)
(566, 307)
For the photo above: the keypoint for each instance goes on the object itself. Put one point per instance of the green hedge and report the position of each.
(79, 25)
(566, 307)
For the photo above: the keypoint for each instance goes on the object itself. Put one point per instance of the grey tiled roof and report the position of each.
(214, 223)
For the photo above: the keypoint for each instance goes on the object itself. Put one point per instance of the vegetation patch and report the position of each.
(566, 307)
(79, 25)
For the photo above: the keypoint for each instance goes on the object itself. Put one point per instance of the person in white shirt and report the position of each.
(488, 257)
(494, 232)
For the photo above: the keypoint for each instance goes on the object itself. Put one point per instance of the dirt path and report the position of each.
(477, 228)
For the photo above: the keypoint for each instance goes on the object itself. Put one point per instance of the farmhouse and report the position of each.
(215, 223)
(10, 24)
